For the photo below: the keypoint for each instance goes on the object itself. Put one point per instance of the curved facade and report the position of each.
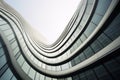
(88, 48)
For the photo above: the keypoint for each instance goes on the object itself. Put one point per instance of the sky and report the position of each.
(49, 17)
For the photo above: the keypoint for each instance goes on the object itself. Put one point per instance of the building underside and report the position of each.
(88, 48)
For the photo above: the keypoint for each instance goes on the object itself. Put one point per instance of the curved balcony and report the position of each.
(89, 47)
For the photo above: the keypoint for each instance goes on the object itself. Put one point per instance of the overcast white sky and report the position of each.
(50, 17)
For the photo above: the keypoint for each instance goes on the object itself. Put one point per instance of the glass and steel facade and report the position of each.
(88, 48)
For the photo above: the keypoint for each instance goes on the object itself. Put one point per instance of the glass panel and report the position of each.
(88, 9)
(88, 52)
(8, 32)
(10, 37)
(114, 68)
(90, 75)
(2, 23)
(53, 68)
(48, 78)
(65, 66)
(13, 78)
(13, 45)
(82, 56)
(102, 73)
(1, 52)
(96, 19)
(72, 49)
(96, 46)
(90, 29)
(104, 40)
(82, 23)
(58, 68)
(90, 1)
(54, 79)
(75, 46)
(20, 60)
(31, 73)
(26, 67)
(48, 67)
(83, 37)
(5, 27)
(42, 77)
(78, 42)
(118, 59)
(113, 31)
(83, 76)
(37, 76)
(43, 65)
(7, 75)
(101, 8)
(77, 60)
(85, 17)
(69, 78)
(2, 61)
(76, 32)
(76, 77)
(73, 62)
(3, 69)
(16, 50)
(0, 43)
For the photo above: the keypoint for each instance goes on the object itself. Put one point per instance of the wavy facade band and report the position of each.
(88, 48)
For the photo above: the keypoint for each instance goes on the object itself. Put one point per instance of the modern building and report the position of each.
(88, 48)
